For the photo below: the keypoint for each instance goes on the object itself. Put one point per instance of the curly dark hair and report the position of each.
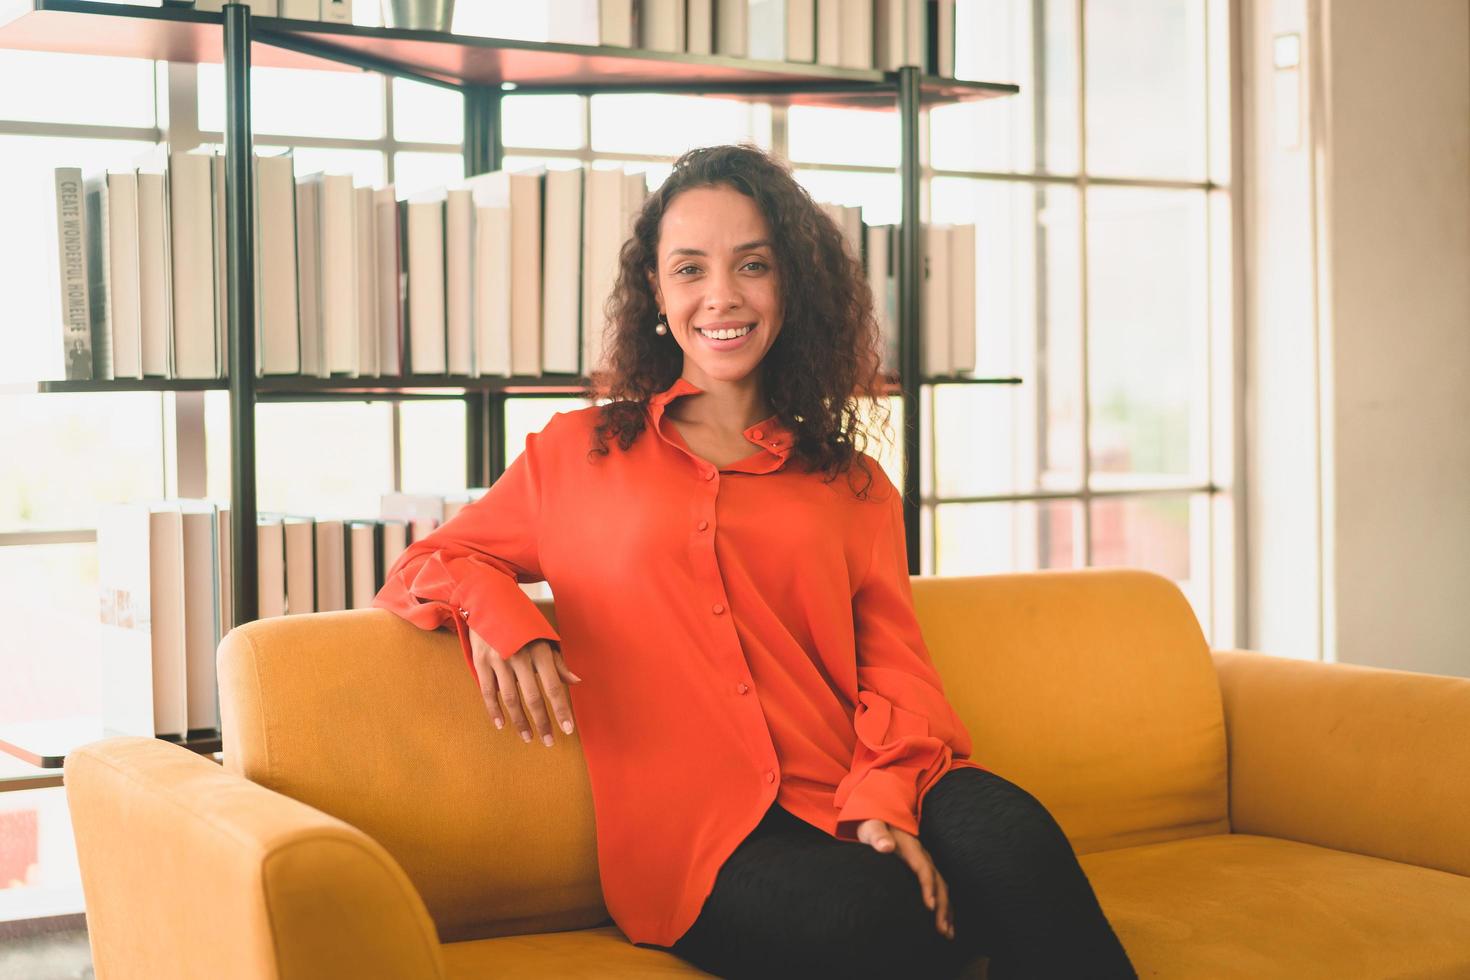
(828, 353)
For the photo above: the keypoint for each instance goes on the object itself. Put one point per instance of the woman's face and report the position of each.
(717, 272)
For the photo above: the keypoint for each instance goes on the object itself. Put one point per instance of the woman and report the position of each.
(781, 787)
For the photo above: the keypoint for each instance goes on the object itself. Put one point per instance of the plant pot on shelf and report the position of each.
(418, 15)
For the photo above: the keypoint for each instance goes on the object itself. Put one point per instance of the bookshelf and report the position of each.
(484, 70)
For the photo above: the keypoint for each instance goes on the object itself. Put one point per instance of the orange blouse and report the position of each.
(744, 634)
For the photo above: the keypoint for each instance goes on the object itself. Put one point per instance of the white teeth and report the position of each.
(726, 334)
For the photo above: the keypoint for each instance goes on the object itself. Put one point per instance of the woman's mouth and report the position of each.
(726, 339)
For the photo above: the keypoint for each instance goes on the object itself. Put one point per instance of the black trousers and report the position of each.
(793, 901)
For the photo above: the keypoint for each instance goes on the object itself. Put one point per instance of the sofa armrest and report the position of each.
(1359, 759)
(192, 871)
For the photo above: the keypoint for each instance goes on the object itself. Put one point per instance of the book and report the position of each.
(336, 11)
(192, 247)
(561, 341)
(155, 303)
(937, 328)
(270, 559)
(732, 28)
(661, 25)
(299, 537)
(200, 531)
(527, 189)
(613, 199)
(856, 29)
(573, 22)
(395, 543)
(76, 304)
(99, 304)
(939, 38)
(425, 249)
(879, 263)
(491, 274)
(962, 298)
(765, 24)
(124, 314)
(277, 309)
(331, 574)
(226, 592)
(309, 280)
(220, 256)
(459, 281)
(829, 32)
(140, 580)
(362, 546)
(390, 282)
(618, 23)
(366, 236)
(336, 223)
(699, 27)
(801, 30)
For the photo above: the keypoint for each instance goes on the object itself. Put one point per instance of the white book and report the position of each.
(426, 323)
(337, 260)
(962, 298)
(940, 38)
(879, 267)
(937, 329)
(491, 273)
(331, 574)
(71, 241)
(699, 27)
(309, 279)
(573, 22)
(661, 25)
(888, 34)
(829, 32)
(336, 11)
(301, 9)
(857, 35)
(192, 251)
(915, 32)
(801, 30)
(277, 311)
(561, 344)
(395, 543)
(365, 226)
(155, 301)
(389, 280)
(601, 236)
(201, 613)
(226, 593)
(299, 536)
(362, 559)
(270, 557)
(618, 23)
(766, 30)
(732, 28)
(140, 578)
(459, 281)
(526, 196)
(124, 312)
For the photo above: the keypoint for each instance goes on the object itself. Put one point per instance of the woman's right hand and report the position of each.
(514, 680)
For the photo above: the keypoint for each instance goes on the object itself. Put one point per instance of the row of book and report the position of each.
(882, 34)
(163, 573)
(351, 281)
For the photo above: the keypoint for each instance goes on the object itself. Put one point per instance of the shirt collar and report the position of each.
(771, 434)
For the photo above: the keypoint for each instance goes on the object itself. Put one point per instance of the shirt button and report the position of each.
(770, 776)
(703, 525)
(717, 609)
(465, 613)
(741, 688)
(709, 474)
(758, 434)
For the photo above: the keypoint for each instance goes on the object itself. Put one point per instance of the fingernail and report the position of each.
(546, 738)
(566, 726)
(525, 737)
(573, 676)
(499, 723)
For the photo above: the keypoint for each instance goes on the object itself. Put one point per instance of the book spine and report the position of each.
(71, 239)
(99, 305)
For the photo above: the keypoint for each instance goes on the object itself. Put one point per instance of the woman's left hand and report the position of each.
(881, 837)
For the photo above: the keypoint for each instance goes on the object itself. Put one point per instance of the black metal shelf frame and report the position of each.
(906, 90)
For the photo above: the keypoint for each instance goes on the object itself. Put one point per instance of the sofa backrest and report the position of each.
(1093, 689)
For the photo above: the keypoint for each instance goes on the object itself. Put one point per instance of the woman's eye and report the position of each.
(757, 262)
(682, 268)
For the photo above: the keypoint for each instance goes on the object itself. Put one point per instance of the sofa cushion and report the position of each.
(1237, 905)
(1092, 689)
(601, 952)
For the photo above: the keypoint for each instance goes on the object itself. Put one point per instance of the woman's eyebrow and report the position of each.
(744, 247)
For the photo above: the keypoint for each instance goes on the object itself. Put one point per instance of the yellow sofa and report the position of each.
(1239, 815)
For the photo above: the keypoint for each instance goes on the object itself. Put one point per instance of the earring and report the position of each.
(662, 327)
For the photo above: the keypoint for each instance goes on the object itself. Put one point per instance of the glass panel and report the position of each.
(1167, 533)
(1028, 301)
(79, 451)
(432, 446)
(367, 167)
(302, 466)
(667, 125)
(416, 172)
(998, 538)
(300, 102)
(40, 86)
(39, 877)
(427, 113)
(1219, 81)
(552, 122)
(30, 329)
(844, 136)
(876, 194)
(526, 415)
(1147, 346)
(996, 42)
(50, 655)
(1146, 104)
